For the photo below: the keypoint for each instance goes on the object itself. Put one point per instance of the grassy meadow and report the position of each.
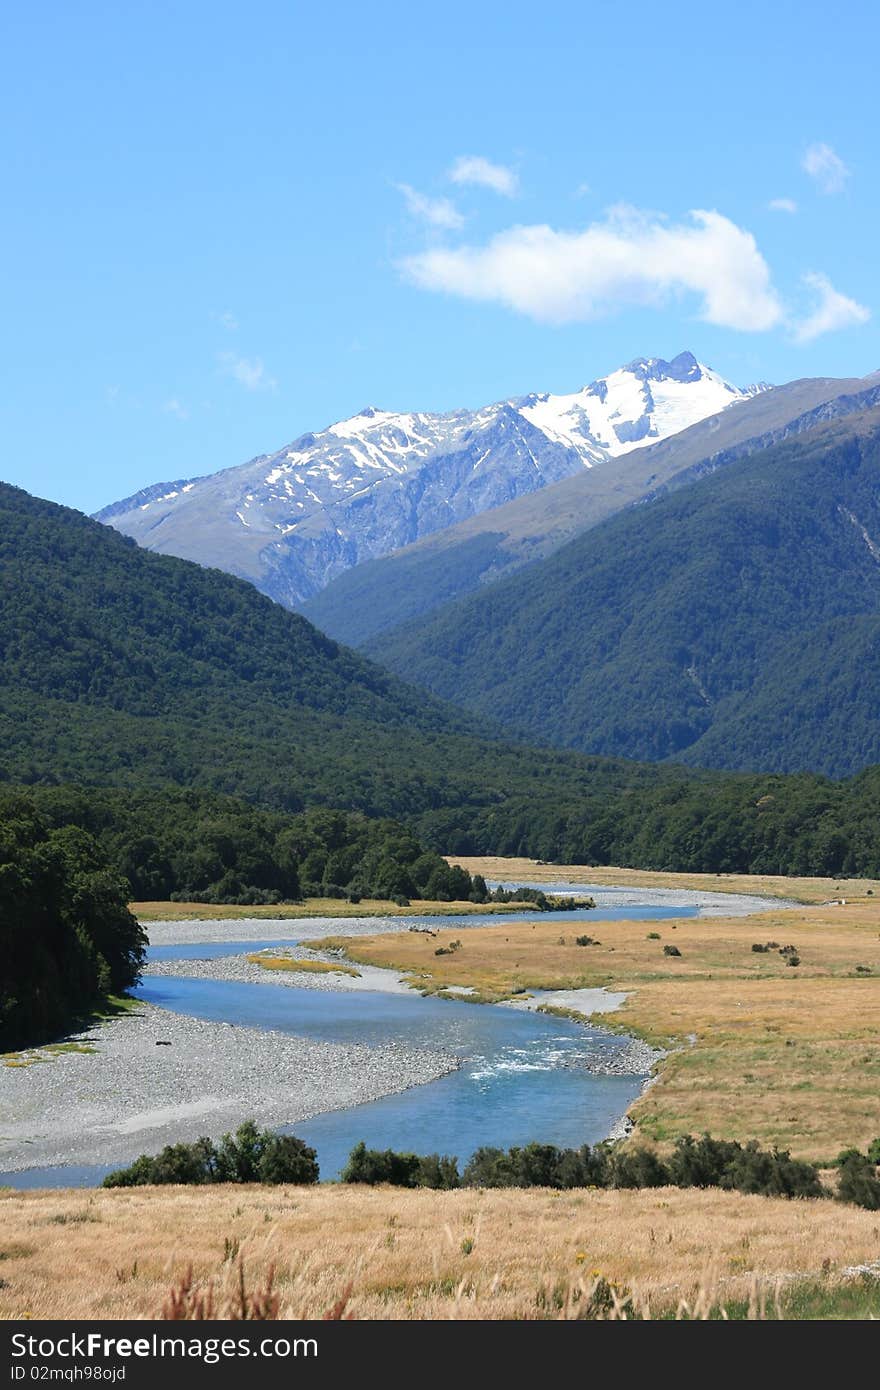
(806, 890)
(424, 1254)
(757, 1048)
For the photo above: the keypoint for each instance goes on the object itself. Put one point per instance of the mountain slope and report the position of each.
(291, 521)
(379, 595)
(120, 667)
(140, 672)
(731, 623)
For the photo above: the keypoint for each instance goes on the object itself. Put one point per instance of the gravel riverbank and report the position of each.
(134, 1094)
(239, 970)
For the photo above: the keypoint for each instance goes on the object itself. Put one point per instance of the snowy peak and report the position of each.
(367, 485)
(683, 368)
(641, 403)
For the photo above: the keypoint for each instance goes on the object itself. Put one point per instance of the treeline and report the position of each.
(67, 939)
(704, 1162)
(194, 845)
(694, 1162)
(260, 1156)
(707, 823)
(190, 846)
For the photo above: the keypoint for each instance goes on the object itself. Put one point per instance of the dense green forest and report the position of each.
(120, 667)
(721, 823)
(731, 624)
(194, 846)
(70, 859)
(67, 939)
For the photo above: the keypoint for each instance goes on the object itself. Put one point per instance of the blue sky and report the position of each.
(227, 224)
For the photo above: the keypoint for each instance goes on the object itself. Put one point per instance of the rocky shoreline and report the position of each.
(156, 1077)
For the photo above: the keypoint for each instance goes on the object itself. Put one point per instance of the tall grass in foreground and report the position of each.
(422, 1254)
(591, 1299)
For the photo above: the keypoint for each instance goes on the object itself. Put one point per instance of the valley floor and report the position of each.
(757, 1048)
(806, 890)
(432, 1255)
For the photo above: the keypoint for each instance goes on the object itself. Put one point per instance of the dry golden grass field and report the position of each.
(808, 890)
(423, 1254)
(759, 1049)
(311, 907)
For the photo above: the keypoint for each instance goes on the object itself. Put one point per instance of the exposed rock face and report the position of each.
(294, 520)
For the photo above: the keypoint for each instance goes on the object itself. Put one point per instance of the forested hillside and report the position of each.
(119, 667)
(732, 624)
(175, 695)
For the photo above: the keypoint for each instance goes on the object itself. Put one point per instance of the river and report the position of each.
(521, 1075)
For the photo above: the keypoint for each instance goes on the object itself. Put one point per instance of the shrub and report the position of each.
(695, 1162)
(858, 1182)
(636, 1168)
(772, 1174)
(538, 1165)
(845, 1155)
(671, 951)
(449, 950)
(653, 936)
(708, 1162)
(287, 1159)
(438, 1171)
(250, 1155)
(399, 1169)
(700, 1162)
(488, 1167)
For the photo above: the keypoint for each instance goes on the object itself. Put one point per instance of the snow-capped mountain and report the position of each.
(291, 521)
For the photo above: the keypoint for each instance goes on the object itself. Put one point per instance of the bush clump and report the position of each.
(708, 1162)
(703, 1162)
(400, 1169)
(250, 1155)
(858, 1182)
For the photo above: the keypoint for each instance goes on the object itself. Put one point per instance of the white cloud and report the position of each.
(439, 212)
(473, 168)
(825, 166)
(832, 311)
(629, 258)
(228, 321)
(782, 205)
(176, 408)
(249, 372)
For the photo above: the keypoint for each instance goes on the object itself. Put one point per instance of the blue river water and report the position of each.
(522, 1075)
